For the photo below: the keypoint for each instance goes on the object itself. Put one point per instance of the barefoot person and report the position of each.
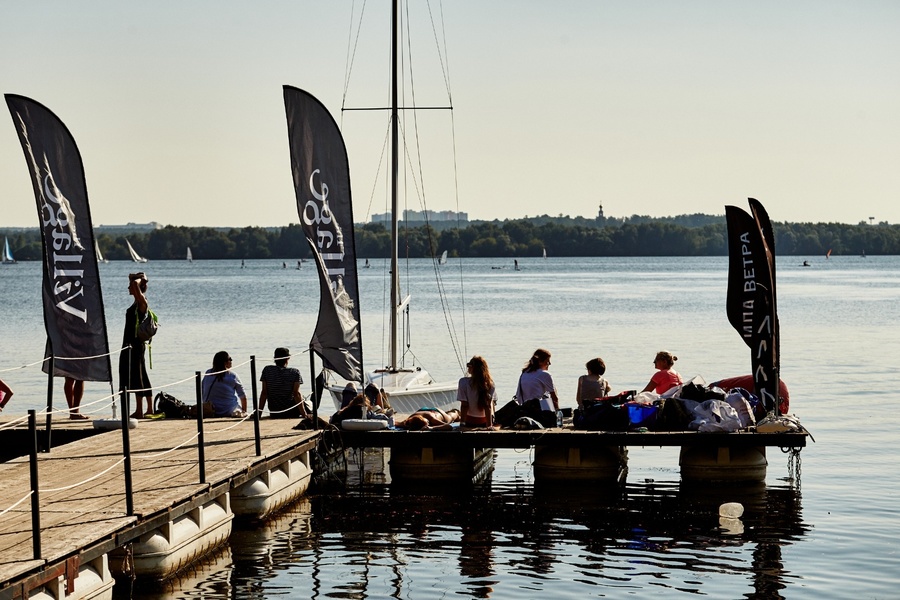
(132, 368)
(74, 389)
(429, 419)
(5, 394)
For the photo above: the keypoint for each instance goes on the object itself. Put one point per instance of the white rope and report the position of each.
(244, 418)
(26, 497)
(164, 452)
(88, 480)
(13, 422)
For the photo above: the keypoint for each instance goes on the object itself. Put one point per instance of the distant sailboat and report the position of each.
(190, 257)
(443, 259)
(545, 253)
(8, 258)
(134, 255)
(99, 254)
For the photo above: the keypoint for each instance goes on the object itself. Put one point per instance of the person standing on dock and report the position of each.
(132, 368)
(5, 394)
(74, 390)
(666, 377)
(592, 385)
(477, 395)
(281, 387)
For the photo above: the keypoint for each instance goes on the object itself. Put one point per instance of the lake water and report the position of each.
(827, 526)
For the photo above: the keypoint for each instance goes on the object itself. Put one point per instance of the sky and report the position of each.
(644, 107)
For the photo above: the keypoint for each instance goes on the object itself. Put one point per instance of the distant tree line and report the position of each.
(685, 235)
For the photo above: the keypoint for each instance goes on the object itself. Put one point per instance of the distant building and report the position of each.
(421, 216)
(128, 228)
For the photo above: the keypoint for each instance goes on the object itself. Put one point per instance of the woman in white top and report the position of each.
(592, 385)
(536, 382)
(476, 395)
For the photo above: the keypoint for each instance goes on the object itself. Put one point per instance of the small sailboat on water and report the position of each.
(134, 255)
(7, 258)
(443, 259)
(100, 258)
(190, 257)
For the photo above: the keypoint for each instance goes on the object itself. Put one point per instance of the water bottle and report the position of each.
(559, 418)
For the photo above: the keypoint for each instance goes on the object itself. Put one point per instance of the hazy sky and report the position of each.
(647, 107)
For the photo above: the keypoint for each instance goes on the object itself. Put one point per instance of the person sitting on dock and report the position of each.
(535, 382)
(222, 388)
(429, 419)
(666, 377)
(281, 387)
(592, 385)
(477, 395)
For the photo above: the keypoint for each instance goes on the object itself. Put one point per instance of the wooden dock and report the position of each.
(81, 523)
(508, 438)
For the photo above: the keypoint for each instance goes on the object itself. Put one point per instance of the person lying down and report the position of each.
(429, 419)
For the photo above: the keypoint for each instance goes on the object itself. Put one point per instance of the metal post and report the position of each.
(49, 401)
(255, 404)
(35, 503)
(126, 450)
(315, 395)
(201, 453)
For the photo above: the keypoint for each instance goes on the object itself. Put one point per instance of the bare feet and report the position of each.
(78, 417)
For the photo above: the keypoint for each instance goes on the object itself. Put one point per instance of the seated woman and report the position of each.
(222, 388)
(476, 395)
(429, 419)
(592, 385)
(352, 410)
(666, 377)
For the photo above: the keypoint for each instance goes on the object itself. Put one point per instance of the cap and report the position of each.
(282, 353)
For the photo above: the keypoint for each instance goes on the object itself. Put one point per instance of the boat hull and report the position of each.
(408, 391)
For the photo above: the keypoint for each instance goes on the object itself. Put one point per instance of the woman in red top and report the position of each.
(665, 378)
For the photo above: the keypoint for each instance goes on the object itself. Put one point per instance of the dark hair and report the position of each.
(139, 276)
(281, 356)
(534, 363)
(219, 366)
(415, 423)
(596, 366)
(482, 379)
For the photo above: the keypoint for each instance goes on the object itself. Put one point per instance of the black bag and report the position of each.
(171, 406)
(507, 414)
(602, 416)
(672, 416)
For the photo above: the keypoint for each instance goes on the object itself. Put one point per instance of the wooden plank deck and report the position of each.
(90, 519)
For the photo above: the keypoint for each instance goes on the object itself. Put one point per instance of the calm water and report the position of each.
(831, 533)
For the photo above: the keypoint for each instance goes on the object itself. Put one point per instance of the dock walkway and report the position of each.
(82, 522)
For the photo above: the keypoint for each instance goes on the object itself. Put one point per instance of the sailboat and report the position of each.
(8, 258)
(317, 154)
(545, 252)
(443, 259)
(99, 254)
(190, 257)
(134, 255)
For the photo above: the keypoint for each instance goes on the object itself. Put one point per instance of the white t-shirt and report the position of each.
(466, 393)
(536, 384)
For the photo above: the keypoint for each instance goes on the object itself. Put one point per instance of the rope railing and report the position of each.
(83, 482)
(169, 451)
(16, 503)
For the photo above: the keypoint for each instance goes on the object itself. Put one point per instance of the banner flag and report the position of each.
(73, 303)
(322, 186)
(750, 303)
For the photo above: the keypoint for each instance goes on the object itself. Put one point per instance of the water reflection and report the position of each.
(508, 539)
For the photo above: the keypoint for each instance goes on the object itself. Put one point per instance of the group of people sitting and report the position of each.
(223, 392)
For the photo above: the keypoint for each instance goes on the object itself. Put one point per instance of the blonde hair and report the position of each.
(666, 356)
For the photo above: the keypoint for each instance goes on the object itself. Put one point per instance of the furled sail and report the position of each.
(73, 303)
(322, 185)
(750, 304)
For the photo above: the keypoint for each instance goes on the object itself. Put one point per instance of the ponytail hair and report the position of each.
(534, 363)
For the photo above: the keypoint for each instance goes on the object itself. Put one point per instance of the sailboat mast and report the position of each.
(395, 164)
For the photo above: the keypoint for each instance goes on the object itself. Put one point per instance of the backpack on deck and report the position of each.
(171, 406)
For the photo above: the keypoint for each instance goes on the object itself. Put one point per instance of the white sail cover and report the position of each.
(322, 185)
